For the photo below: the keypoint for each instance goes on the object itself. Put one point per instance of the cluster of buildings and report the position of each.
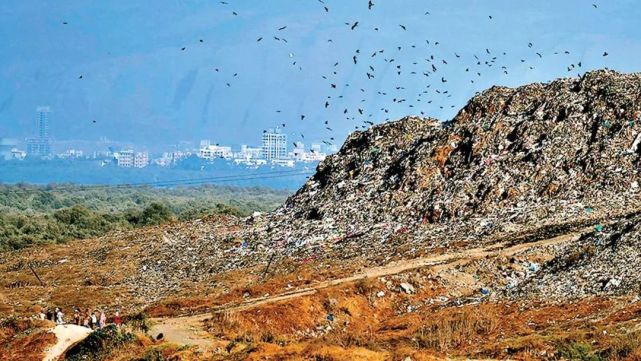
(130, 159)
(273, 150)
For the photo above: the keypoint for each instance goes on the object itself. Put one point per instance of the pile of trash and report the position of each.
(604, 262)
(537, 160)
(511, 159)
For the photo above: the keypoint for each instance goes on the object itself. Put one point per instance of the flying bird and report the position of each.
(370, 5)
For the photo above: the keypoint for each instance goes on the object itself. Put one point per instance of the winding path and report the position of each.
(189, 330)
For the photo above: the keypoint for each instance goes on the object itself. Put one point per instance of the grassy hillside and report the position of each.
(54, 214)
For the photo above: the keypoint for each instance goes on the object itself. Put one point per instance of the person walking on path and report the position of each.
(59, 316)
(117, 319)
(103, 319)
(94, 321)
(76, 317)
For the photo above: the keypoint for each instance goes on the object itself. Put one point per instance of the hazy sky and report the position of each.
(140, 86)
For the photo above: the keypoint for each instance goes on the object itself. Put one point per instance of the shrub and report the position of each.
(156, 213)
(99, 344)
(577, 351)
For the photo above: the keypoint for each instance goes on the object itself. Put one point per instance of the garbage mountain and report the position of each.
(511, 159)
(514, 165)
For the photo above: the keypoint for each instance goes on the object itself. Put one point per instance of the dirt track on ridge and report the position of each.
(189, 329)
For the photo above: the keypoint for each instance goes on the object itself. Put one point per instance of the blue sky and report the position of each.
(141, 87)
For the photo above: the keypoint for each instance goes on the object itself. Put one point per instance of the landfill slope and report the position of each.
(515, 165)
(511, 159)
(605, 262)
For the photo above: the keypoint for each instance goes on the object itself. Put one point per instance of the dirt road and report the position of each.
(189, 329)
(67, 336)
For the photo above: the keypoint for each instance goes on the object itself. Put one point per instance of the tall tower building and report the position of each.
(40, 145)
(42, 123)
(274, 145)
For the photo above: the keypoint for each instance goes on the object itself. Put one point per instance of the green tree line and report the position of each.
(31, 215)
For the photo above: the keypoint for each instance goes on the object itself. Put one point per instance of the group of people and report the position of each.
(93, 320)
(56, 315)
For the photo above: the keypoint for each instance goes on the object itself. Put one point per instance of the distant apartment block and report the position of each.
(211, 152)
(300, 155)
(247, 152)
(126, 159)
(40, 145)
(170, 158)
(130, 159)
(141, 159)
(274, 145)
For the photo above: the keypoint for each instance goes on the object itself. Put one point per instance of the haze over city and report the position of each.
(182, 71)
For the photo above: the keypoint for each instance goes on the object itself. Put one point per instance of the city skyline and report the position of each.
(42, 140)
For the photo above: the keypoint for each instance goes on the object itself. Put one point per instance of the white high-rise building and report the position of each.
(40, 145)
(274, 145)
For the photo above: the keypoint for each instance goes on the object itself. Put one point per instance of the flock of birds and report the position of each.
(370, 62)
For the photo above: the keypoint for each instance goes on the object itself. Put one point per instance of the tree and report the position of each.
(156, 213)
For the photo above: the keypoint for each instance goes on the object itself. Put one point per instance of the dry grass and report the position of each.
(24, 339)
(455, 330)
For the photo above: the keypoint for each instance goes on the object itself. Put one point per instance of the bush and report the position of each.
(577, 351)
(138, 321)
(156, 213)
(99, 344)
